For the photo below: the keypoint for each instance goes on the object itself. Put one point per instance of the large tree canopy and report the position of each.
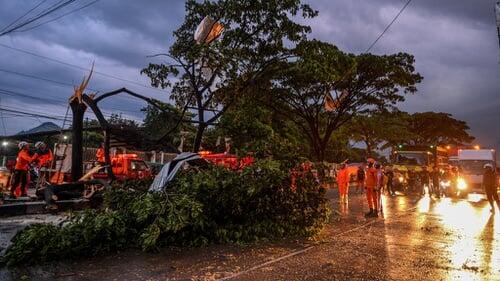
(437, 128)
(377, 129)
(372, 83)
(209, 77)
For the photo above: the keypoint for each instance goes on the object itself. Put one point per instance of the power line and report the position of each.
(25, 14)
(55, 101)
(40, 15)
(18, 94)
(106, 112)
(3, 120)
(56, 82)
(60, 16)
(40, 78)
(31, 111)
(388, 26)
(78, 67)
(32, 114)
(374, 42)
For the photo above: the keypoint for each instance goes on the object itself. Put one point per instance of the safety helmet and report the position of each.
(38, 144)
(488, 166)
(22, 144)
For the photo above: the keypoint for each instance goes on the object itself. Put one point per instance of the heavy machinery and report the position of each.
(408, 162)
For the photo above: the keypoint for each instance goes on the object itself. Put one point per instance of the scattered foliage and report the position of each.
(214, 205)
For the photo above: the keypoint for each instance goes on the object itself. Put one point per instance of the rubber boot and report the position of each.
(369, 214)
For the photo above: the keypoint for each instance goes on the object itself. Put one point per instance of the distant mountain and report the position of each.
(44, 127)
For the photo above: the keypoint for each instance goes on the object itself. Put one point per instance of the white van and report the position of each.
(471, 164)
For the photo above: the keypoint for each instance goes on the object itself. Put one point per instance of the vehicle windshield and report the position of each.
(138, 165)
(475, 167)
(409, 158)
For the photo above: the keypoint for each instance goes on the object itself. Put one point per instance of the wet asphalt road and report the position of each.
(417, 239)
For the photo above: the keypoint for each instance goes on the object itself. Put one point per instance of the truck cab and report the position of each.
(471, 165)
(414, 158)
(128, 166)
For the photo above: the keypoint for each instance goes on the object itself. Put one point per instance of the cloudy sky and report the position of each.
(454, 42)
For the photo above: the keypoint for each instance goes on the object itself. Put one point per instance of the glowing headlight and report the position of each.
(461, 184)
(401, 179)
(445, 183)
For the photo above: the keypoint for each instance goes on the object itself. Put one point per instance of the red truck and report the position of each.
(126, 167)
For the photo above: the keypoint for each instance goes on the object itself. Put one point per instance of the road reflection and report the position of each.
(466, 231)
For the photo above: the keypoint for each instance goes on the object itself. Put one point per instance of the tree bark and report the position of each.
(78, 110)
(107, 157)
(199, 137)
(369, 149)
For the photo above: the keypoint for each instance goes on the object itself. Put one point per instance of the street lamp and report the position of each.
(4, 149)
(65, 137)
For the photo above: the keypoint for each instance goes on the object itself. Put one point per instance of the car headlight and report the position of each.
(461, 184)
(445, 183)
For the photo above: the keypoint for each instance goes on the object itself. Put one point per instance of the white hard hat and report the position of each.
(488, 166)
(39, 143)
(22, 144)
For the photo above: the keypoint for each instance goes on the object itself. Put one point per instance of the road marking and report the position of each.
(298, 252)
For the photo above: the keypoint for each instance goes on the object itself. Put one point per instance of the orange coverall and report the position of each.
(100, 155)
(21, 173)
(371, 183)
(45, 159)
(343, 181)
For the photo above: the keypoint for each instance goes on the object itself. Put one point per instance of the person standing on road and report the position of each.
(412, 180)
(21, 170)
(390, 178)
(435, 181)
(425, 179)
(360, 178)
(379, 188)
(490, 186)
(370, 185)
(343, 183)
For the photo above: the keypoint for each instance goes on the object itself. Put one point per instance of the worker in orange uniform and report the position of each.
(100, 155)
(21, 170)
(379, 188)
(343, 183)
(371, 185)
(44, 157)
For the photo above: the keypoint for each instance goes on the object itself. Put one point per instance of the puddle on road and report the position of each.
(465, 232)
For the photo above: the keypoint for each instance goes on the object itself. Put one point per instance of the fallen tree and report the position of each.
(199, 207)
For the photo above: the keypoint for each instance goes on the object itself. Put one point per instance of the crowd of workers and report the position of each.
(41, 158)
(374, 179)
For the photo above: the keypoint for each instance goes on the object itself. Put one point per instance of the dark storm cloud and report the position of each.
(454, 43)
